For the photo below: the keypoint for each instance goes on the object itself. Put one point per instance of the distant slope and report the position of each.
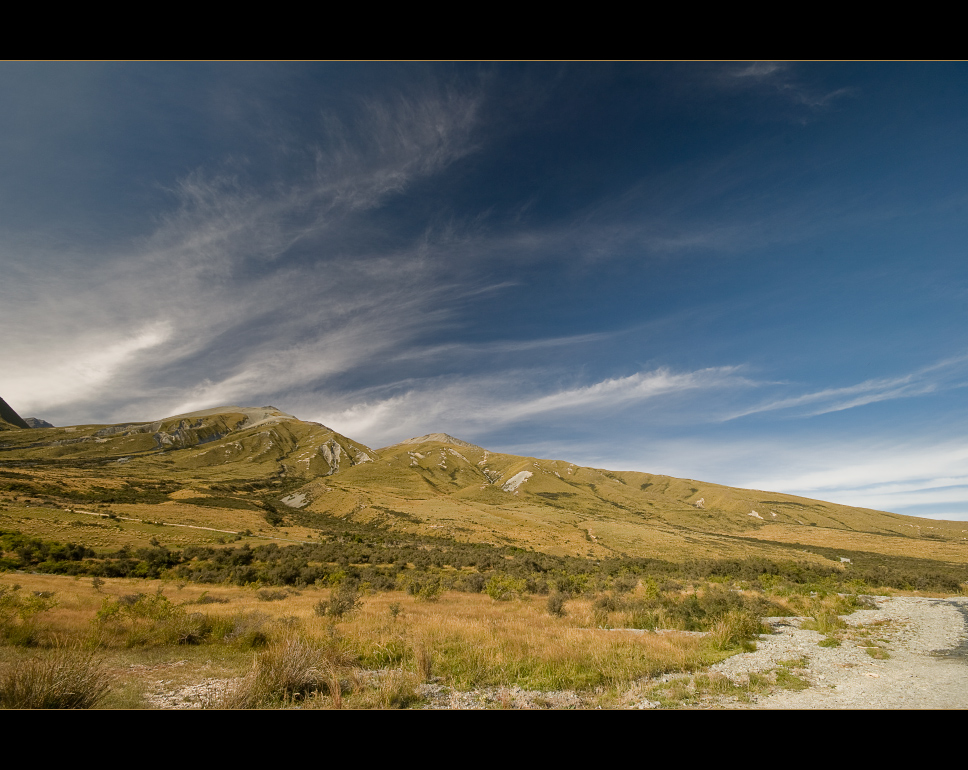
(469, 493)
(9, 418)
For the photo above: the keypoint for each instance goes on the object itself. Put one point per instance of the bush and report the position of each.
(342, 601)
(556, 604)
(503, 588)
(270, 595)
(824, 622)
(474, 583)
(425, 589)
(248, 631)
(64, 679)
(140, 620)
(17, 615)
(734, 628)
(625, 583)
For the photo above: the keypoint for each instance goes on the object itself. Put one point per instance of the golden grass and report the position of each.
(175, 526)
(463, 640)
(954, 550)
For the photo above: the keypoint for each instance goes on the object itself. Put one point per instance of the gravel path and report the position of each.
(927, 667)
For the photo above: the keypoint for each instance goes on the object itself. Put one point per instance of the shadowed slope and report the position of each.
(9, 418)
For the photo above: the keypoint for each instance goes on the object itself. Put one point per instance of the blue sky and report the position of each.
(747, 273)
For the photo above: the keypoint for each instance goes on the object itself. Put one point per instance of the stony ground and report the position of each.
(923, 642)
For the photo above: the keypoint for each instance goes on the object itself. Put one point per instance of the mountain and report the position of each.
(253, 457)
(442, 438)
(207, 443)
(9, 418)
(35, 422)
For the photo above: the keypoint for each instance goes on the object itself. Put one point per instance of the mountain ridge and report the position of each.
(451, 487)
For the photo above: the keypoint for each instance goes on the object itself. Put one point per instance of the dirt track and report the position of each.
(926, 664)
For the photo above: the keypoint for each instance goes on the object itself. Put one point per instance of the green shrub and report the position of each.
(248, 631)
(425, 588)
(503, 588)
(18, 611)
(735, 628)
(625, 583)
(824, 622)
(343, 600)
(141, 620)
(271, 595)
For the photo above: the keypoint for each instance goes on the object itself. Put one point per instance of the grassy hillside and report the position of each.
(259, 469)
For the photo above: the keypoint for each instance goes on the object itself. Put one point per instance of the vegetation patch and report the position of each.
(64, 678)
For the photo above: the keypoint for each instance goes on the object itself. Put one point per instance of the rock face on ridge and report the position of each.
(36, 422)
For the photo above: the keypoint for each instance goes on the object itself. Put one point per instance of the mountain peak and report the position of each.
(443, 438)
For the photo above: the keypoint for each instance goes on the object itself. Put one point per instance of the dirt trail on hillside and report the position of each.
(925, 641)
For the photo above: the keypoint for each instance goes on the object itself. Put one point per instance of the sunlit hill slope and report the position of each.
(262, 469)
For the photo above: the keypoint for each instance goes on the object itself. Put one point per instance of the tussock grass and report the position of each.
(291, 669)
(66, 678)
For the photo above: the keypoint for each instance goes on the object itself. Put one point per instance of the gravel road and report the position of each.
(923, 643)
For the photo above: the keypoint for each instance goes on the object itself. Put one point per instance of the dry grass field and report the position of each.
(376, 655)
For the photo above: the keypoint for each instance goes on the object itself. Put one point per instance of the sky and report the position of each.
(747, 273)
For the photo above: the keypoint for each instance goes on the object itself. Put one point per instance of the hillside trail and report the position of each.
(921, 649)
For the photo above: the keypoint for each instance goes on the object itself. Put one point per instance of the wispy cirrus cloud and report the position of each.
(241, 285)
(479, 405)
(780, 78)
(948, 373)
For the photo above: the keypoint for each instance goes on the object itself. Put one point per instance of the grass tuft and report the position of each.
(66, 678)
(287, 671)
